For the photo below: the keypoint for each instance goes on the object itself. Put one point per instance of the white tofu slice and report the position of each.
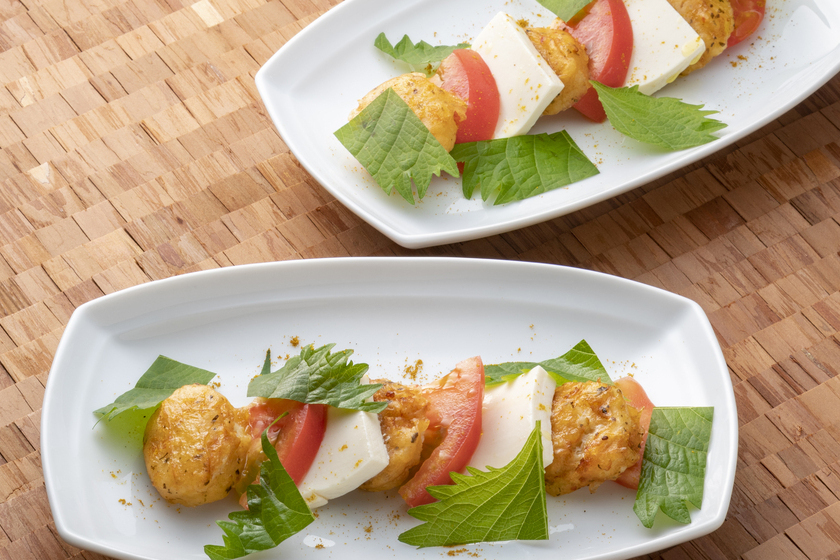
(351, 453)
(527, 84)
(509, 414)
(664, 44)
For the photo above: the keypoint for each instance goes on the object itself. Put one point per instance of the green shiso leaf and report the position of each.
(578, 364)
(564, 9)
(502, 504)
(419, 56)
(276, 511)
(318, 376)
(522, 166)
(395, 147)
(163, 377)
(663, 121)
(674, 464)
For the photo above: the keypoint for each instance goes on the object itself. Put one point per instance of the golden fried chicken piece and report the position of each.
(712, 20)
(438, 109)
(596, 436)
(403, 424)
(195, 446)
(568, 58)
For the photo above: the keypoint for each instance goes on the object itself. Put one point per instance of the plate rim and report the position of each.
(446, 266)
(430, 239)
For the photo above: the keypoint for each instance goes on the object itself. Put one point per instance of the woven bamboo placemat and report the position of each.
(134, 147)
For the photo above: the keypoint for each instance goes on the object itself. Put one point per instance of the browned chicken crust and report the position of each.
(712, 20)
(596, 436)
(568, 58)
(438, 109)
(195, 446)
(403, 424)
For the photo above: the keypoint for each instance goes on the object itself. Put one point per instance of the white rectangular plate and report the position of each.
(391, 312)
(311, 84)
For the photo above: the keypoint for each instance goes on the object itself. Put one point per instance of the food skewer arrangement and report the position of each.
(319, 429)
(471, 115)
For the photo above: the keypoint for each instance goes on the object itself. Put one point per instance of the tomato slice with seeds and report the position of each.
(748, 15)
(466, 75)
(636, 396)
(604, 28)
(454, 409)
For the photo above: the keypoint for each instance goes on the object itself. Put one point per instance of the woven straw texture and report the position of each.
(134, 147)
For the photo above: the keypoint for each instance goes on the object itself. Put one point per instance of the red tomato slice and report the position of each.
(455, 406)
(466, 75)
(636, 396)
(748, 15)
(298, 434)
(606, 32)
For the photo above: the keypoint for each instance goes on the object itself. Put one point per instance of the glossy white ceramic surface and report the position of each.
(314, 81)
(391, 312)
